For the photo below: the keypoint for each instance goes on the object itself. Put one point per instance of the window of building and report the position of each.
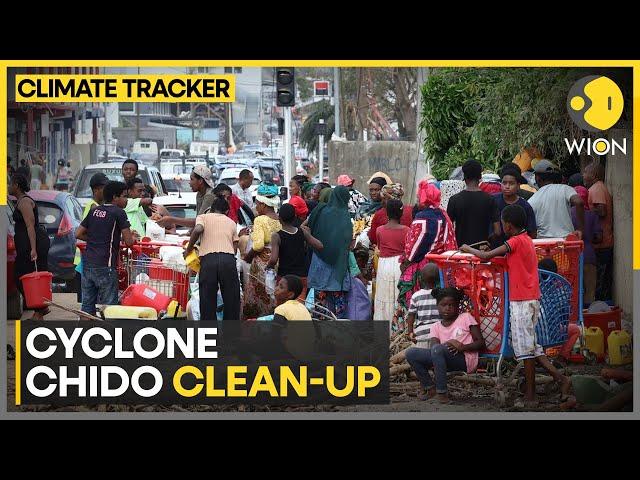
(237, 69)
(228, 70)
(127, 107)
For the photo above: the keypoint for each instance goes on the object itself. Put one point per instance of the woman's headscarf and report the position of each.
(393, 191)
(428, 194)
(584, 194)
(268, 194)
(325, 194)
(386, 177)
(307, 187)
(299, 205)
(331, 224)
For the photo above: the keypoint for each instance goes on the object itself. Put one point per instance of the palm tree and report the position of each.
(318, 110)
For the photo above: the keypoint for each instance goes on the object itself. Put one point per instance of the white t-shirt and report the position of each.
(244, 195)
(552, 206)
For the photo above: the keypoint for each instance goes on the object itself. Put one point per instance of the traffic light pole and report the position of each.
(288, 163)
(321, 154)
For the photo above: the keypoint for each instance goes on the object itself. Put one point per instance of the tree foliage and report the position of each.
(319, 110)
(491, 114)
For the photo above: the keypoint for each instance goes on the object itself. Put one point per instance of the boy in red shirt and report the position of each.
(524, 299)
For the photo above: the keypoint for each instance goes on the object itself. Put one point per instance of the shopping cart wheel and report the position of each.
(500, 396)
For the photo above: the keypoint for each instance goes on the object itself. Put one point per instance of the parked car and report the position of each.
(149, 175)
(179, 187)
(181, 207)
(218, 169)
(14, 299)
(171, 153)
(271, 171)
(177, 166)
(60, 214)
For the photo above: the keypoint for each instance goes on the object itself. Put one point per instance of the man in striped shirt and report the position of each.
(423, 310)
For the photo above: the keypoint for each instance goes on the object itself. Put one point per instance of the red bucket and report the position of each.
(37, 289)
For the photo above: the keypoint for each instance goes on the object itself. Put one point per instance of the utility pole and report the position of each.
(193, 133)
(288, 165)
(137, 117)
(104, 125)
(336, 100)
(321, 151)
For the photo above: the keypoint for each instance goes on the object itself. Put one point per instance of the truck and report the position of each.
(200, 149)
(145, 152)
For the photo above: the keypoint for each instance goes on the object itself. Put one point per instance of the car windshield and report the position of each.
(83, 189)
(177, 185)
(182, 212)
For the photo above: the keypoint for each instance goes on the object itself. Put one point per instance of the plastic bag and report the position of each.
(270, 281)
(154, 231)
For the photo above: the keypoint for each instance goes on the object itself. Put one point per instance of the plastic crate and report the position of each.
(567, 254)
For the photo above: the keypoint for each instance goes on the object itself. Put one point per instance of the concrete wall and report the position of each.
(360, 160)
(619, 181)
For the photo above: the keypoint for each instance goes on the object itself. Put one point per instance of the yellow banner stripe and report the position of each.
(125, 88)
(18, 353)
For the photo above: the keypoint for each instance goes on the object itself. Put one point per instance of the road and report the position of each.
(465, 397)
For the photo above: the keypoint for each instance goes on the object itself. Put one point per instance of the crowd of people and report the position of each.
(354, 257)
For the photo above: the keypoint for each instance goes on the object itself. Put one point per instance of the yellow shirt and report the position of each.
(263, 228)
(293, 310)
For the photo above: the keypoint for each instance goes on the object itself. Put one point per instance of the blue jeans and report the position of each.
(440, 359)
(98, 281)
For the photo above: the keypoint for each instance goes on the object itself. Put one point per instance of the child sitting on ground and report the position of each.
(287, 290)
(573, 330)
(423, 310)
(454, 345)
(524, 300)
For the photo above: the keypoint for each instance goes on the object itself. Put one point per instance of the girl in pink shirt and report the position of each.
(454, 345)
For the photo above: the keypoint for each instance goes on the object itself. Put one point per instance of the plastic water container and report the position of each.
(193, 261)
(620, 348)
(121, 312)
(140, 295)
(37, 289)
(594, 340)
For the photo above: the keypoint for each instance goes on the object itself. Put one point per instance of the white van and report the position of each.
(167, 153)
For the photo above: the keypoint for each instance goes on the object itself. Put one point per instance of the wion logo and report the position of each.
(595, 103)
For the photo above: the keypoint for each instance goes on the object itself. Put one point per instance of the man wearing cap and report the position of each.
(356, 199)
(552, 203)
(201, 182)
(97, 183)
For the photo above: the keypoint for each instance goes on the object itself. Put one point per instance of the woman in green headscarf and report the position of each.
(325, 194)
(329, 272)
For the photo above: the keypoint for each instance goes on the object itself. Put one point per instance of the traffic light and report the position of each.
(285, 87)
